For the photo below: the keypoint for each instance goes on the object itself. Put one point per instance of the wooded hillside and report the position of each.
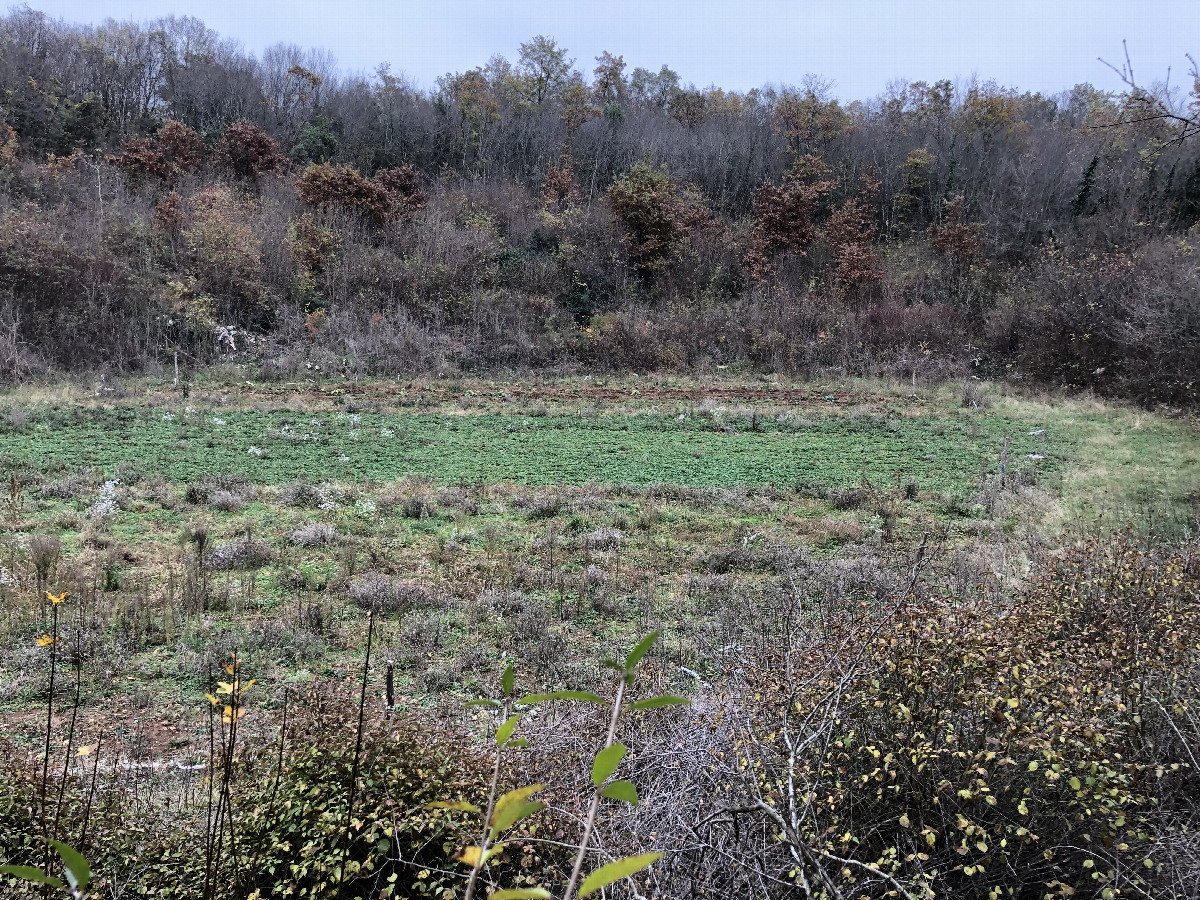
(163, 191)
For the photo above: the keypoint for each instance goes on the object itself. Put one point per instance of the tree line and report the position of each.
(162, 191)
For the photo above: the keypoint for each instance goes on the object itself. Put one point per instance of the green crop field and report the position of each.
(274, 447)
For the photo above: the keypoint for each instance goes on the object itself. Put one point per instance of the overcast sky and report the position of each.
(860, 45)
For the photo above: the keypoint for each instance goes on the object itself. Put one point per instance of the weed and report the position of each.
(602, 539)
(241, 553)
(315, 534)
(376, 591)
(225, 501)
(45, 550)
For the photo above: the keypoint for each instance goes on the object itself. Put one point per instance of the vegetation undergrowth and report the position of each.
(808, 619)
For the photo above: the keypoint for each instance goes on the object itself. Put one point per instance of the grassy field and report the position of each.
(536, 523)
(186, 444)
(548, 514)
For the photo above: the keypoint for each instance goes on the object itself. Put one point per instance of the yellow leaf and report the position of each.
(56, 600)
(45, 641)
(224, 687)
(85, 750)
(469, 856)
(245, 687)
(211, 699)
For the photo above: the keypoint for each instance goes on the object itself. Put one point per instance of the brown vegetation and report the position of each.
(518, 216)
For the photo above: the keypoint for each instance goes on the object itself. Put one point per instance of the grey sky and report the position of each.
(1046, 45)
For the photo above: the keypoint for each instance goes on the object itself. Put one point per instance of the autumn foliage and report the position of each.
(1041, 750)
(8, 148)
(785, 214)
(176, 149)
(248, 152)
(656, 214)
(391, 193)
(596, 216)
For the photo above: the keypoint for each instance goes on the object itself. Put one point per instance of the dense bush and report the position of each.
(1043, 749)
(290, 816)
(1122, 321)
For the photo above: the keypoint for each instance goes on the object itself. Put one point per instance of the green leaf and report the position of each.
(535, 893)
(562, 695)
(504, 732)
(622, 868)
(636, 654)
(663, 700)
(461, 805)
(494, 704)
(606, 762)
(79, 873)
(31, 873)
(517, 742)
(513, 807)
(507, 680)
(621, 790)
(514, 814)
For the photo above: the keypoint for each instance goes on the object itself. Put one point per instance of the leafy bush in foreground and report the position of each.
(951, 748)
(290, 815)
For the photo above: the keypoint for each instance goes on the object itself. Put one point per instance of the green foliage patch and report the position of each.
(702, 451)
(290, 810)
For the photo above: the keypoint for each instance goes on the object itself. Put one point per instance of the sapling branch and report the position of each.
(503, 736)
(590, 822)
(485, 837)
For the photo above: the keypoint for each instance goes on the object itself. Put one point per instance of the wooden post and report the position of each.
(390, 686)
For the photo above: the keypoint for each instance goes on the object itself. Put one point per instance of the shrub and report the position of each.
(602, 539)
(225, 501)
(242, 553)
(8, 151)
(1035, 752)
(390, 194)
(846, 498)
(309, 496)
(545, 506)
(315, 534)
(290, 808)
(784, 215)
(248, 152)
(385, 594)
(1122, 321)
(656, 213)
(224, 253)
(174, 150)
